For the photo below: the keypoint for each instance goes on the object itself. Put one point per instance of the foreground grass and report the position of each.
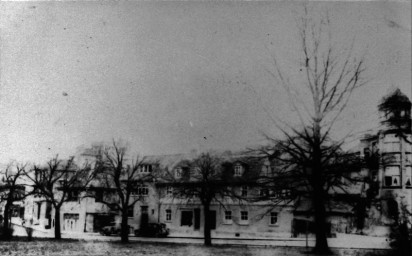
(99, 248)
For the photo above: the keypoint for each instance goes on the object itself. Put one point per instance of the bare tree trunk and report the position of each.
(321, 245)
(124, 229)
(57, 231)
(6, 227)
(206, 230)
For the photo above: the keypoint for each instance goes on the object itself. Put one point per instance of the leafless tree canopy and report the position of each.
(120, 178)
(202, 180)
(57, 182)
(12, 189)
(307, 157)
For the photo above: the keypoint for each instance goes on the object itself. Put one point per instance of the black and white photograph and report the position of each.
(234, 128)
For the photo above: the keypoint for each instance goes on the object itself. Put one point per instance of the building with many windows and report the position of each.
(374, 203)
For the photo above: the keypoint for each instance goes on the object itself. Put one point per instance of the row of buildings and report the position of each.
(387, 192)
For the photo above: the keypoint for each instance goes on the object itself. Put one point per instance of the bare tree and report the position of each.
(122, 180)
(202, 181)
(57, 182)
(331, 74)
(12, 190)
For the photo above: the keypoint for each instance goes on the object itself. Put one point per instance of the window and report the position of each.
(168, 215)
(98, 197)
(19, 193)
(169, 190)
(243, 190)
(408, 178)
(285, 193)
(179, 173)
(281, 193)
(228, 217)
(130, 211)
(143, 190)
(238, 170)
(187, 218)
(244, 217)
(144, 209)
(392, 176)
(72, 195)
(409, 158)
(147, 168)
(391, 143)
(408, 147)
(38, 209)
(273, 218)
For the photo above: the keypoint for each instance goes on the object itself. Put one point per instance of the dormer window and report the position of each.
(169, 190)
(178, 173)
(266, 170)
(147, 168)
(238, 170)
(244, 218)
(143, 190)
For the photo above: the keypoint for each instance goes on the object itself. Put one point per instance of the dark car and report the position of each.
(153, 230)
(111, 229)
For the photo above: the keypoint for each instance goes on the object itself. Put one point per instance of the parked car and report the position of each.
(153, 230)
(111, 229)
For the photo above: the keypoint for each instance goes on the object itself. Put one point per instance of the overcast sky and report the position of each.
(173, 76)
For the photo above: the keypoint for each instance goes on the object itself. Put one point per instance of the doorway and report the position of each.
(144, 221)
(197, 219)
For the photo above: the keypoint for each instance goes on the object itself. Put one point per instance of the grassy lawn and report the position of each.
(98, 248)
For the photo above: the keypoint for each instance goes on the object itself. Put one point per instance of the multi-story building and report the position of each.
(385, 189)
(239, 213)
(389, 154)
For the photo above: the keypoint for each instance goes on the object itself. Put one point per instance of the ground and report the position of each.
(104, 248)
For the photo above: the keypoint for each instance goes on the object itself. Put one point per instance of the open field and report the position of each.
(100, 248)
